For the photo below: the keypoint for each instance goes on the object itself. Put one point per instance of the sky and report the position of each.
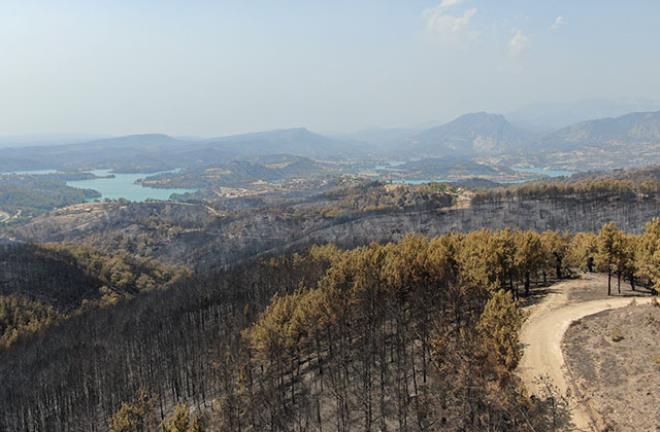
(209, 68)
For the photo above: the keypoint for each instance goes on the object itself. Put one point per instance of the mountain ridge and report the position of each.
(634, 127)
(471, 134)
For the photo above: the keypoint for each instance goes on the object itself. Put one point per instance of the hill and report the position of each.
(216, 234)
(470, 135)
(421, 332)
(303, 339)
(449, 167)
(546, 117)
(273, 340)
(298, 142)
(41, 284)
(631, 128)
(632, 140)
(157, 152)
(25, 196)
(148, 152)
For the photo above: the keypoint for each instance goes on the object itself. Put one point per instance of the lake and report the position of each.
(124, 186)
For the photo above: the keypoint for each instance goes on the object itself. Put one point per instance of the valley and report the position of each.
(246, 291)
(248, 284)
(222, 230)
(307, 216)
(478, 150)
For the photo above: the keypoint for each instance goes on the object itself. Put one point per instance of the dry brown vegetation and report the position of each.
(41, 285)
(419, 335)
(583, 189)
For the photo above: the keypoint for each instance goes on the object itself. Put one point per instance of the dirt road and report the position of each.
(541, 337)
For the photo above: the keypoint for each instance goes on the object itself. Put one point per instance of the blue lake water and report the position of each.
(124, 186)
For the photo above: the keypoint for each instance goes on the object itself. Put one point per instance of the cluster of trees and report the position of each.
(387, 338)
(121, 273)
(42, 284)
(378, 197)
(581, 189)
(419, 335)
(20, 316)
(140, 416)
(628, 256)
(394, 337)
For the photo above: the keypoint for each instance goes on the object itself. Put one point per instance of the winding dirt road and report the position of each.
(541, 337)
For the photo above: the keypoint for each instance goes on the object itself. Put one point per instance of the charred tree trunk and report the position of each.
(527, 284)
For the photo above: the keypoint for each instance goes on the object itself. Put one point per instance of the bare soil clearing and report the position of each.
(614, 358)
(542, 364)
(595, 288)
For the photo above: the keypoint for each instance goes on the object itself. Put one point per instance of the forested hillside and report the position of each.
(40, 285)
(582, 188)
(204, 235)
(25, 196)
(419, 335)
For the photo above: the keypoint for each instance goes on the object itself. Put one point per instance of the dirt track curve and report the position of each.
(541, 337)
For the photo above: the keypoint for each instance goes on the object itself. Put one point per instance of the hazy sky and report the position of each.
(192, 67)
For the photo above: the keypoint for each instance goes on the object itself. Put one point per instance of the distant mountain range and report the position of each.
(631, 140)
(299, 142)
(633, 128)
(31, 140)
(605, 142)
(156, 152)
(547, 117)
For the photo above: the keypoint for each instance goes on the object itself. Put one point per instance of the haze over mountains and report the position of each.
(545, 117)
(592, 144)
(470, 135)
(630, 128)
(153, 152)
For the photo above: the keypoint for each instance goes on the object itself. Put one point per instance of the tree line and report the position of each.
(580, 189)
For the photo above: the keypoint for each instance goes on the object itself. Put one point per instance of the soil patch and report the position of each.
(595, 288)
(614, 360)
